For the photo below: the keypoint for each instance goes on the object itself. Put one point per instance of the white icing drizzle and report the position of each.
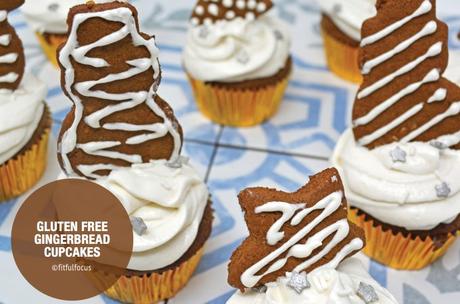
(123, 101)
(9, 58)
(3, 15)
(454, 109)
(449, 140)
(439, 95)
(339, 230)
(424, 8)
(390, 126)
(432, 76)
(5, 39)
(10, 77)
(427, 30)
(433, 51)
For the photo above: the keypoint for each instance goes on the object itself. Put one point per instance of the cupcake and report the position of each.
(300, 248)
(172, 217)
(123, 136)
(24, 117)
(400, 161)
(48, 18)
(237, 59)
(341, 23)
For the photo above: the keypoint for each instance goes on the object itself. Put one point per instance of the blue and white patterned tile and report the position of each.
(314, 113)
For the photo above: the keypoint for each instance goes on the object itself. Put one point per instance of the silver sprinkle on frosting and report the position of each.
(398, 155)
(443, 190)
(298, 282)
(367, 293)
(243, 57)
(178, 162)
(260, 289)
(139, 226)
(438, 145)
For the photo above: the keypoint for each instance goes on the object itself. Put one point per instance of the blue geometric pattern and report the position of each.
(281, 153)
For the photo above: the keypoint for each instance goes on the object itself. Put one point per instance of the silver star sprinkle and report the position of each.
(438, 145)
(178, 162)
(367, 293)
(443, 190)
(243, 57)
(298, 282)
(138, 224)
(53, 7)
(204, 32)
(398, 155)
(278, 35)
(260, 289)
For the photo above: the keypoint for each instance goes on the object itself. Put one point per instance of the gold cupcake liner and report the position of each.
(154, 287)
(51, 45)
(342, 59)
(396, 250)
(22, 172)
(238, 107)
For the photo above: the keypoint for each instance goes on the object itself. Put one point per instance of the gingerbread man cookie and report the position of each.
(403, 97)
(12, 59)
(110, 71)
(293, 232)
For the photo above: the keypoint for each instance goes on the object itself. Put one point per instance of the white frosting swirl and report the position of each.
(237, 50)
(397, 193)
(20, 113)
(50, 16)
(328, 286)
(170, 201)
(349, 15)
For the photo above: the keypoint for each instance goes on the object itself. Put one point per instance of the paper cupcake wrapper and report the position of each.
(396, 250)
(154, 287)
(51, 45)
(342, 59)
(19, 174)
(238, 107)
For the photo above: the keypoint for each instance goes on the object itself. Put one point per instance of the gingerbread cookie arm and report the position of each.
(12, 61)
(293, 232)
(403, 97)
(111, 75)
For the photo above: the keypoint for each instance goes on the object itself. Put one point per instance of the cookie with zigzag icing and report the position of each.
(110, 72)
(12, 59)
(293, 232)
(404, 97)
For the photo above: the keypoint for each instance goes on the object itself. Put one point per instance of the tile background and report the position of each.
(283, 152)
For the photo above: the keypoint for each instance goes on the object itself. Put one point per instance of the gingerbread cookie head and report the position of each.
(403, 97)
(110, 71)
(12, 59)
(293, 232)
(208, 12)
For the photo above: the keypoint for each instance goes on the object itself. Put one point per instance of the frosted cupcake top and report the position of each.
(166, 206)
(348, 284)
(235, 49)
(417, 194)
(349, 15)
(20, 113)
(50, 16)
